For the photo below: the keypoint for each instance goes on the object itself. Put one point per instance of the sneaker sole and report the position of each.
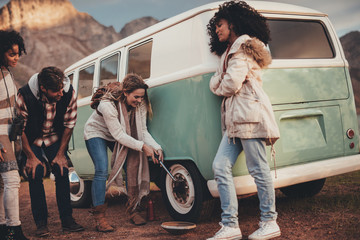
(269, 236)
(237, 237)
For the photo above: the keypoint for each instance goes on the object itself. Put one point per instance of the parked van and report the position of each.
(308, 84)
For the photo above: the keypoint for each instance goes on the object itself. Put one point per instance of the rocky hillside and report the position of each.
(351, 48)
(55, 33)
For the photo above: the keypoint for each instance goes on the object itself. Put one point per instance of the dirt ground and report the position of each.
(312, 220)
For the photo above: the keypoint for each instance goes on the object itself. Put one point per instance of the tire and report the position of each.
(190, 202)
(155, 173)
(80, 191)
(307, 189)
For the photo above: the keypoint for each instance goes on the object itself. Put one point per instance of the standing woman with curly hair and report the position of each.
(238, 33)
(119, 123)
(11, 48)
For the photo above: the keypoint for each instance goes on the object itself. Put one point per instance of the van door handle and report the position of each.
(301, 114)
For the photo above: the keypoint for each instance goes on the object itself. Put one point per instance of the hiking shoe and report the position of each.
(42, 231)
(267, 230)
(69, 224)
(229, 233)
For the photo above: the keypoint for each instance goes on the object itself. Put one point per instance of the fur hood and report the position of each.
(252, 47)
(255, 48)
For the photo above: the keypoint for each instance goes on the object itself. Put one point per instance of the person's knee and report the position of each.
(57, 173)
(221, 167)
(11, 179)
(101, 173)
(39, 173)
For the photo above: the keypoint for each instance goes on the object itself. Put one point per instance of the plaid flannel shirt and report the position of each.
(49, 135)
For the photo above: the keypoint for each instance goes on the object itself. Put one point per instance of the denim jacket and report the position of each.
(246, 111)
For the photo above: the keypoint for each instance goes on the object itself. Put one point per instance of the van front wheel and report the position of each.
(185, 199)
(306, 189)
(80, 191)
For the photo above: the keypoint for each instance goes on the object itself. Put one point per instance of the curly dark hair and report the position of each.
(7, 40)
(243, 18)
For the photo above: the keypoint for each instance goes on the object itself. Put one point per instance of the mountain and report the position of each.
(56, 34)
(350, 43)
(137, 25)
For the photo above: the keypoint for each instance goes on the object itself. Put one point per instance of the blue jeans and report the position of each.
(97, 148)
(258, 168)
(36, 187)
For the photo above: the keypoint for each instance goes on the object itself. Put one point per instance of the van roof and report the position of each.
(261, 6)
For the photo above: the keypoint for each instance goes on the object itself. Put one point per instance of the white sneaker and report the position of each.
(267, 230)
(228, 233)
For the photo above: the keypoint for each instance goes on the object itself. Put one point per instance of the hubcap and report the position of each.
(181, 193)
(76, 186)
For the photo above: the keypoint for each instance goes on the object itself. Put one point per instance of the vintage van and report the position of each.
(308, 84)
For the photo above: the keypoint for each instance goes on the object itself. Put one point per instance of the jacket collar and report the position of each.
(240, 40)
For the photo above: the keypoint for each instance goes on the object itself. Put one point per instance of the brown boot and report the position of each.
(99, 216)
(133, 211)
(137, 219)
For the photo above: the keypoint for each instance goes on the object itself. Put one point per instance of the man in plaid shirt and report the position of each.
(48, 105)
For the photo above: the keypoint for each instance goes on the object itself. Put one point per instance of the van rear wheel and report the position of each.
(306, 189)
(185, 200)
(80, 191)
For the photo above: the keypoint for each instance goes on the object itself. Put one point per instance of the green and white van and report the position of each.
(308, 84)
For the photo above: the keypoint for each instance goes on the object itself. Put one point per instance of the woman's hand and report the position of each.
(150, 152)
(160, 154)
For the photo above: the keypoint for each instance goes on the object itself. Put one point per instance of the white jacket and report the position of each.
(246, 111)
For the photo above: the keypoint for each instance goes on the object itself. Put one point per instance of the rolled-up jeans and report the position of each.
(255, 153)
(97, 148)
(9, 198)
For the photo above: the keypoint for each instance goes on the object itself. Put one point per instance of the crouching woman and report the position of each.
(119, 123)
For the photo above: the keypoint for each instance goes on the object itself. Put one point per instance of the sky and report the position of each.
(344, 15)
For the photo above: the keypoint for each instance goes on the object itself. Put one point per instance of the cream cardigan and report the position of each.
(109, 127)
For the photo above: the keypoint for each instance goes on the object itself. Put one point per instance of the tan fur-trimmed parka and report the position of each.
(246, 111)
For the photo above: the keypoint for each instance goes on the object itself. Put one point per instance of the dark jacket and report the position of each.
(36, 113)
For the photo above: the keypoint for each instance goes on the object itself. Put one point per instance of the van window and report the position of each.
(109, 70)
(85, 84)
(140, 60)
(293, 39)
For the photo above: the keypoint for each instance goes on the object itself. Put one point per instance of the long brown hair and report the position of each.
(115, 91)
(132, 82)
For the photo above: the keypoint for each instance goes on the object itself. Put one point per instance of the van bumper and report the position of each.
(292, 175)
